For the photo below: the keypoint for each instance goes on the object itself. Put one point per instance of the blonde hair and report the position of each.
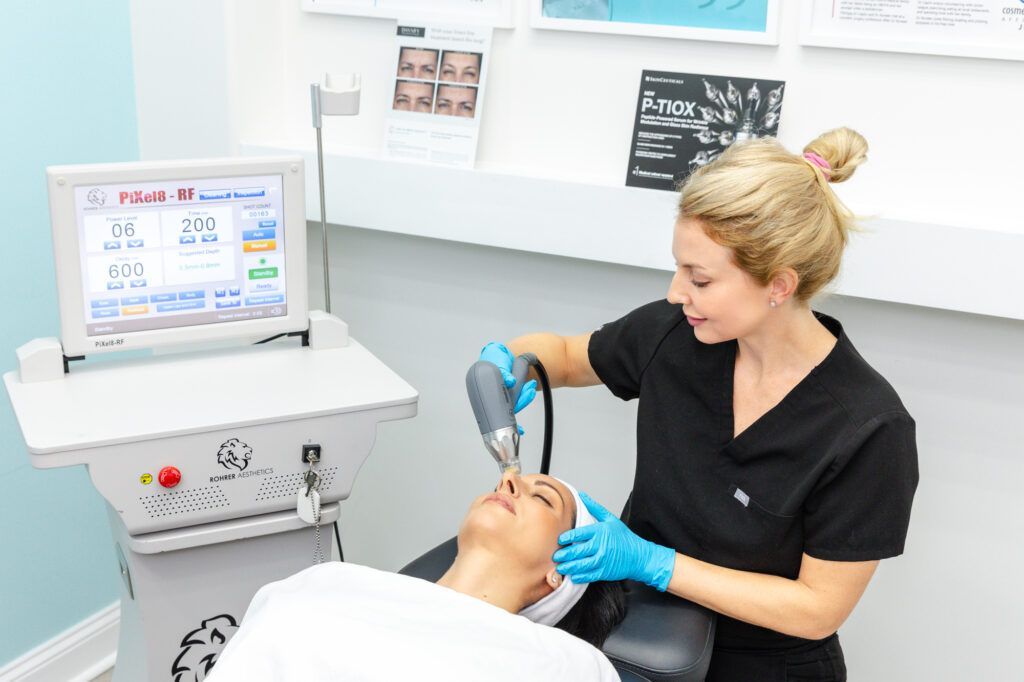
(775, 209)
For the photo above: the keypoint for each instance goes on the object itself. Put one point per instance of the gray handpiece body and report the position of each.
(493, 403)
(494, 408)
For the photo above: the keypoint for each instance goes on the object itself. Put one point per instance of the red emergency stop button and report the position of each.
(169, 477)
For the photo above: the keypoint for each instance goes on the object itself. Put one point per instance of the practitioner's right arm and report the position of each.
(565, 358)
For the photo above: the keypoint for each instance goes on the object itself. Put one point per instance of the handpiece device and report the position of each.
(494, 408)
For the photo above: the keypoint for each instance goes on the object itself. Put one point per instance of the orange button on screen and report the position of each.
(260, 245)
(135, 310)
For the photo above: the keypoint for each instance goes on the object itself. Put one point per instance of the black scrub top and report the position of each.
(831, 470)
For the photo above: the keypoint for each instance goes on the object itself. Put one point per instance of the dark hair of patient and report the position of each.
(595, 615)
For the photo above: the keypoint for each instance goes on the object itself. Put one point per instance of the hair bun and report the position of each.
(843, 148)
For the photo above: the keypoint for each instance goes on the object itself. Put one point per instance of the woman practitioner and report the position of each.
(775, 466)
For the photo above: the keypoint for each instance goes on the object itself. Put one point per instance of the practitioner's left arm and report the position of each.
(813, 606)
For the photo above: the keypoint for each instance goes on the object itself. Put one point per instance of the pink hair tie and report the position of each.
(819, 162)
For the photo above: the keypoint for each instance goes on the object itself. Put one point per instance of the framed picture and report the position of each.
(992, 29)
(732, 21)
(496, 13)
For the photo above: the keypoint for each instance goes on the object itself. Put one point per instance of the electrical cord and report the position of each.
(337, 536)
(303, 334)
(545, 385)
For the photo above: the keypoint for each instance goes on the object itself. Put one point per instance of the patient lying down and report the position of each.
(487, 618)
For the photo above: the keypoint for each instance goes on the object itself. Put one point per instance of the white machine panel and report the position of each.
(232, 423)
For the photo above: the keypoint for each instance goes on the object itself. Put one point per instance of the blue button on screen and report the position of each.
(189, 295)
(264, 300)
(250, 235)
(163, 298)
(214, 194)
(105, 312)
(134, 300)
(104, 303)
(180, 305)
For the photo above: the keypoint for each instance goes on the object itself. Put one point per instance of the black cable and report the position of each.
(267, 340)
(277, 336)
(337, 536)
(545, 385)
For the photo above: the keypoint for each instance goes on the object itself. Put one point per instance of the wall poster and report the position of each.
(964, 28)
(497, 13)
(685, 121)
(739, 21)
(437, 94)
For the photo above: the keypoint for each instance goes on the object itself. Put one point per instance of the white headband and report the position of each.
(554, 606)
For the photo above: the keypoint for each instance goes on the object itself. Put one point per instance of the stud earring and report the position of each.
(772, 303)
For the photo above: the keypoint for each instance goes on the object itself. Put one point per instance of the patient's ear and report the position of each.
(553, 578)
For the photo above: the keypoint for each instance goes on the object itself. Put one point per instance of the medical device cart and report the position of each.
(199, 458)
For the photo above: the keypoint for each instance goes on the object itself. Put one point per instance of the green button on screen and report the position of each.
(263, 273)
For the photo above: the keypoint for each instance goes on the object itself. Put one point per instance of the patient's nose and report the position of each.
(511, 483)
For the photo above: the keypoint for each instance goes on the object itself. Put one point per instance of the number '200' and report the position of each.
(198, 224)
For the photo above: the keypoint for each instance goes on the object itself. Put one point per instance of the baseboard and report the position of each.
(78, 654)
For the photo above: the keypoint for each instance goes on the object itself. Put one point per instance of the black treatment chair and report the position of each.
(662, 639)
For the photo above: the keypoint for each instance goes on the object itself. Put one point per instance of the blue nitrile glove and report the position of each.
(609, 550)
(497, 354)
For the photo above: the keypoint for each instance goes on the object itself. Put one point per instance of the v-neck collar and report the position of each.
(772, 419)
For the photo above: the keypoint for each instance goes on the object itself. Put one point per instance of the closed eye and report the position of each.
(546, 500)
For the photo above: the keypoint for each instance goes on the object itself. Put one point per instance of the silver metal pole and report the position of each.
(314, 96)
(323, 221)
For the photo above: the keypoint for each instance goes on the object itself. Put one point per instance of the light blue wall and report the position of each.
(66, 96)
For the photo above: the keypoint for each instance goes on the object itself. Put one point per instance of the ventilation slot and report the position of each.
(285, 485)
(178, 502)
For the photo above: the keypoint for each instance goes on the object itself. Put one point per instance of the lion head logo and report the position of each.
(234, 453)
(201, 647)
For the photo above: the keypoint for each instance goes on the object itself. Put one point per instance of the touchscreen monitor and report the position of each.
(173, 252)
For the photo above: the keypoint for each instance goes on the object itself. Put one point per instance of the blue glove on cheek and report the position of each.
(609, 550)
(498, 354)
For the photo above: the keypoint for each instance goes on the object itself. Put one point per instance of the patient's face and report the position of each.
(521, 519)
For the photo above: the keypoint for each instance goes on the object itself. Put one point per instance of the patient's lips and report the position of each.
(503, 500)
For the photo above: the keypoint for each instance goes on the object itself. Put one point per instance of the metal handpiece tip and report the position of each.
(512, 466)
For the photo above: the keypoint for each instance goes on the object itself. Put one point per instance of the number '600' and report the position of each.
(126, 270)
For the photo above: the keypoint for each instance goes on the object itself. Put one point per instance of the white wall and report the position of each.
(943, 144)
(562, 105)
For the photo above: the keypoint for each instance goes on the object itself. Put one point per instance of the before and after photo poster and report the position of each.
(437, 94)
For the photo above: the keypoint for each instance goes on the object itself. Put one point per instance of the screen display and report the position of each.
(157, 255)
